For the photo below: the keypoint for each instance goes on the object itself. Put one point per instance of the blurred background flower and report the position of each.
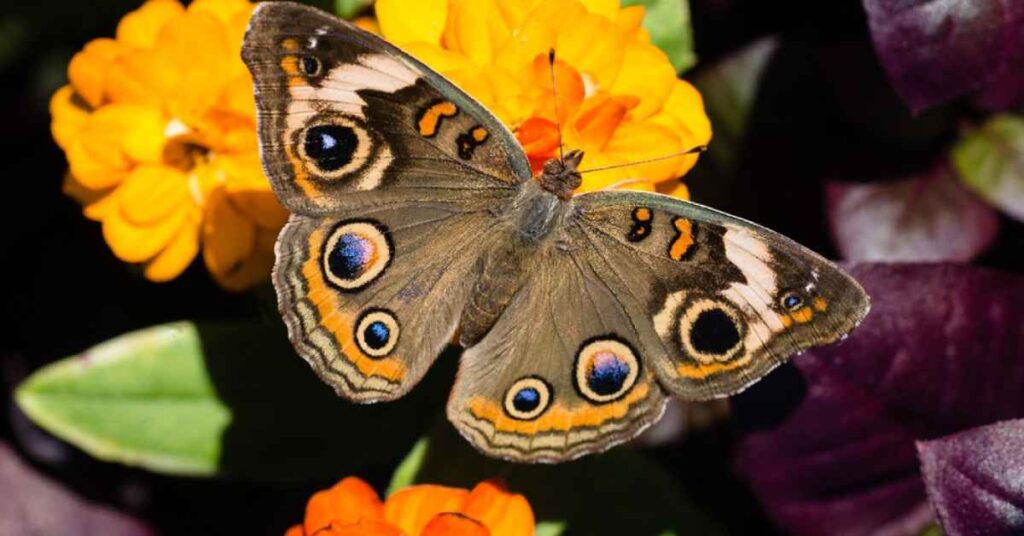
(158, 126)
(352, 508)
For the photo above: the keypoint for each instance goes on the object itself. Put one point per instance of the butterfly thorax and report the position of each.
(506, 262)
(561, 176)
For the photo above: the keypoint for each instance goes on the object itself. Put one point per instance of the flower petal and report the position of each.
(228, 237)
(646, 73)
(454, 525)
(437, 58)
(539, 138)
(151, 192)
(187, 65)
(91, 172)
(119, 134)
(69, 115)
(348, 502)
(606, 8)
(475, 28)
(295, 530)
(363, 528)
(407, 22)
(95, 202)
(636, 142)
(140, 27)
(599, 58)
(597, 122)
(674, 188)
(139, 243)
(631, 19)
(88, 69)
(411, 508)
(684, 111)
(504, 513)
(250, 192)
(180, 253)
(538, 33)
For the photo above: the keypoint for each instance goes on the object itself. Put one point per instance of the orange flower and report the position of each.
(159, 129)
(352, 508)
(618, 96)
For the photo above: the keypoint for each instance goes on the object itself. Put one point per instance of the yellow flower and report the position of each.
(159, 129)
(352, 508)
(619, 99)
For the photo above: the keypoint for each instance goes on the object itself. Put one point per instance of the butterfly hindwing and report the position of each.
(344, 115)
(560, 374)
(371, 300)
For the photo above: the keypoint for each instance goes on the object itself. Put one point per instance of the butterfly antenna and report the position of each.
(554, 91)
(694, 150)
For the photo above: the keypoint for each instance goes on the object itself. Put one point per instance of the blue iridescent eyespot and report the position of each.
(351, 256)
(377, 332)
(606, 369)
(607, 373)
(527, 398)
(355, 254)
(792, 301)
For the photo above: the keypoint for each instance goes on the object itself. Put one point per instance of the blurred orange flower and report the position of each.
(159, 129)
(352, 508)
(619, 99)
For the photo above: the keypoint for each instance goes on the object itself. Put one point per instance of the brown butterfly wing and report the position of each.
(345, 117)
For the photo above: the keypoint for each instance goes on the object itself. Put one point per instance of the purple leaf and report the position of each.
(941, 351)
(33, 504)
(937, 50)
(926, 218)
(838, 465)
(976, 479)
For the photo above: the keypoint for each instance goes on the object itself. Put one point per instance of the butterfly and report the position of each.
(416, 221)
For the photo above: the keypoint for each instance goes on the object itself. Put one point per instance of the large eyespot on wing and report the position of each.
(343, 114)
(560, 375)
(371, 301)
(727, 300)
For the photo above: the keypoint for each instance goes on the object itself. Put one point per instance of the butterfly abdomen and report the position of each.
(502, 267)
(500, 277)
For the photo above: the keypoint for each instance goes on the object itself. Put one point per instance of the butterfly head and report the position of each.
(561, 176)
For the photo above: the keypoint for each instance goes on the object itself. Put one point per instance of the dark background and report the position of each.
(824, 110)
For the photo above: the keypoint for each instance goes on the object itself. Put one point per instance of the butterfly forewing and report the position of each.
(344, 115)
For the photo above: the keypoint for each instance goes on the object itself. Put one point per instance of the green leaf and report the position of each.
(405, 473)
(729, 88)
(142, 399)
(618, 492)
(668, 22)
(349, 9)
(224, 399)
(990, 161)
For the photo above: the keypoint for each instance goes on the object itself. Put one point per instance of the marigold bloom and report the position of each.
(159, 129)
(352, 508)
(619, 99)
